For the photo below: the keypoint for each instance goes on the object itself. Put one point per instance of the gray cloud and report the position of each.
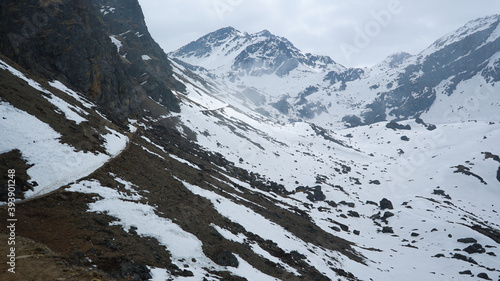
(323, 27)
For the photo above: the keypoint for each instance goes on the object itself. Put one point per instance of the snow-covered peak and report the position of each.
(482, 29)
(228, 50)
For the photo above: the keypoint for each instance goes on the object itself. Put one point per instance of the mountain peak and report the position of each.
(396, 59)
(264, 33)
(225, 30)
(254, 54)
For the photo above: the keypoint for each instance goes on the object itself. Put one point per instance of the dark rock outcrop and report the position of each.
(386, 204)
(70, 41)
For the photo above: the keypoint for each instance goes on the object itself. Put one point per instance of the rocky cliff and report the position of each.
(79, 43)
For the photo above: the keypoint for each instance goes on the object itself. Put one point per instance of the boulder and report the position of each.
(386, 204)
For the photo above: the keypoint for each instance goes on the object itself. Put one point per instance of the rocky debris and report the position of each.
(376, 182)
(225, 258)
(124, 268)
(372, 203)
(410, 246)
(464, 258)
(134, 271)
(386, 204)
(466, 171)
(483, 275)
(431, 127)
(342, 226)
(441, 192)
(489, 155)
(387, 215)
(475, 249)
(405, 138)
(331, 203)
(387, 229)
(487, 231)
(465, 272)
(498, 174)
(353, 214)
(348, 204)
(467, 240)
(313, 193)
(326, 135)
(396, 126)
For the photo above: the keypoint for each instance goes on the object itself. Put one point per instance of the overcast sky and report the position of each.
(354, 33)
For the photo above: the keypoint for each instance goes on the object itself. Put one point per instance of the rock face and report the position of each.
(145, 60)
(70, 41)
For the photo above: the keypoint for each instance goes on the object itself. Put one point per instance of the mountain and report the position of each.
(121, 163)
(315, 88)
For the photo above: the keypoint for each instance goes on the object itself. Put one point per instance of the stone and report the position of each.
(483, 275)
(467, 240)
(386, 204)
(475, 249)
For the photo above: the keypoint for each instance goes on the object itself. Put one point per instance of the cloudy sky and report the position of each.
(353, 33)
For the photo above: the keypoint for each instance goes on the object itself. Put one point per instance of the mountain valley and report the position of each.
(239, 157)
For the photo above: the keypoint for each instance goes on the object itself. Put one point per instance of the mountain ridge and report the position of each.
(378, 102)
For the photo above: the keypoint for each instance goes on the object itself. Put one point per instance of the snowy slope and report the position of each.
(53, 163)
(330, 95)
(434, 202)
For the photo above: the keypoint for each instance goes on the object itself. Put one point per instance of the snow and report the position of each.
(292, 154)
(263, 227)
(468, 29)
(107, 10)
(54, 164)
(146, 57)
(71, 112)
(117, 42)
(132, 125)
(473, 99)
(184, 161)
(77, 96)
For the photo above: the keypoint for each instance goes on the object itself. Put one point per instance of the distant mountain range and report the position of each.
(279, 80)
